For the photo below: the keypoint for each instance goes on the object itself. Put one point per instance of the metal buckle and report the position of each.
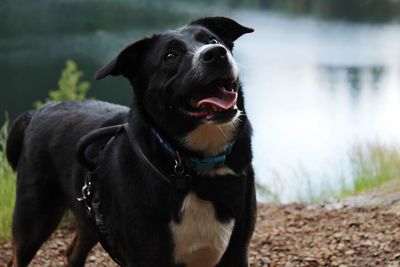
(182, 182)
(86, 192)
(179, 169)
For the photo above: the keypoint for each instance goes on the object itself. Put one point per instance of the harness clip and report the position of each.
(86, 193)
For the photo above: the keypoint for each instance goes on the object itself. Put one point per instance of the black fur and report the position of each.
(137, 206)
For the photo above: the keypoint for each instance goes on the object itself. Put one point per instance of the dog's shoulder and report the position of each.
(62, 124)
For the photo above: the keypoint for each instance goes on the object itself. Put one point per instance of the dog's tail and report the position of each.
(15, 138)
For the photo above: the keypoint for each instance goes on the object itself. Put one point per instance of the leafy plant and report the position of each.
(69, 86)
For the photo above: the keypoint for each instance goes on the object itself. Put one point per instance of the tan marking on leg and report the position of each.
(13, 261)
(81, 245)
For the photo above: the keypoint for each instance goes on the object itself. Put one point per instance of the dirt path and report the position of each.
(352, 232)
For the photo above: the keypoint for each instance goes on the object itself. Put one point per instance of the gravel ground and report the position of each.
(300, 235)
(345, 233)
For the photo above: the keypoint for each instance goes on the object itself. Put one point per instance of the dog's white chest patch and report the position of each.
(200, 239)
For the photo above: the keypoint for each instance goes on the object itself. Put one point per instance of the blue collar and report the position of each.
(197, 164)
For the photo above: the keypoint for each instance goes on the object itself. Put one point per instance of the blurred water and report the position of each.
(314, 89)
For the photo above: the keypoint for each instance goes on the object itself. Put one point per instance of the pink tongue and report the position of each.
(225, 100)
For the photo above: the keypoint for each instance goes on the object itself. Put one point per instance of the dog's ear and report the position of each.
(127, 62)
(226, 29)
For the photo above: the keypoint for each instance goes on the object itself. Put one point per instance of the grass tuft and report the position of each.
(372, 165)
(7, 186)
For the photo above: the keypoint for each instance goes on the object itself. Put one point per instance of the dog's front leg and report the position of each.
(236, 254)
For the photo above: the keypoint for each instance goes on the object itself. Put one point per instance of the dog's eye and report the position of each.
(213, 41)
(170, 57)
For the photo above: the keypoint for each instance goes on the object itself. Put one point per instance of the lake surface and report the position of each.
(314, 88)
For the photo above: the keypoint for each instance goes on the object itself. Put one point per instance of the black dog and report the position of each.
(168, 182)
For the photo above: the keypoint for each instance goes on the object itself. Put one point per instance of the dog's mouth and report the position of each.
(216, 101)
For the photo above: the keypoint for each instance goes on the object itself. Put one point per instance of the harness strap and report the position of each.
(179, 180)
(89, 139)
(106, 241)
(139, 151)
(110, 132)
(90, 197)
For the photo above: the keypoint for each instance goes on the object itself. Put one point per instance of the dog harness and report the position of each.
(90, 198)
(179, 179)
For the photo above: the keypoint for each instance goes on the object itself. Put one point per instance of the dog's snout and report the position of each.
(214, 54)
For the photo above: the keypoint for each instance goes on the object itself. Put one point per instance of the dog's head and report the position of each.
(184, 78)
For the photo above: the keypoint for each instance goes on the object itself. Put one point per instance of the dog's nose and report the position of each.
(214, 54)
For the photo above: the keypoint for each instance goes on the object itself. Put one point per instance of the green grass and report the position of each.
(372, 165)
(266, 193)
(7, 187)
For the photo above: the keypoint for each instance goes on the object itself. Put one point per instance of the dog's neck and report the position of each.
(206, 141)
(211, 139)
